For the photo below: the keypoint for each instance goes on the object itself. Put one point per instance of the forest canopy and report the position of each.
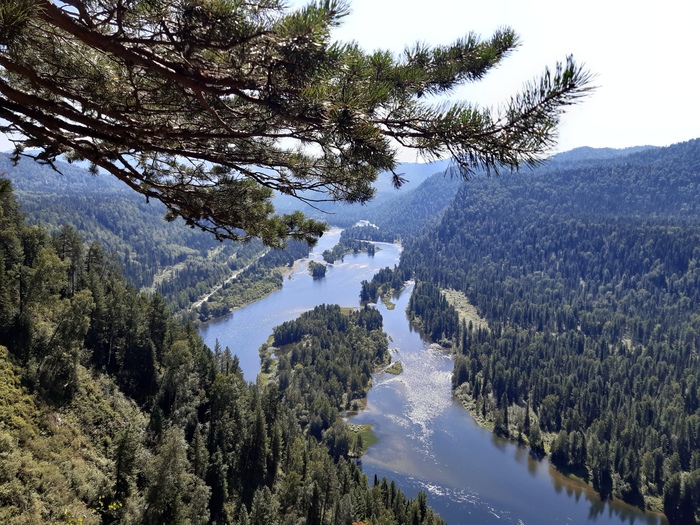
(111, 412)
(587, 275)
(209, 105)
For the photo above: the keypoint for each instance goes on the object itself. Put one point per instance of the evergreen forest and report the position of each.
(587, 271)
(111, 411)
(568, 292)
(184, 265)
(584, 273)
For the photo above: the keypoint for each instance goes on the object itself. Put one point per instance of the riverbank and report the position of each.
(240, 293)
(362, 437)
(569, 481)
(426, 440)
(251, 292)
(489, 417)
(519, 423)
(256, 281)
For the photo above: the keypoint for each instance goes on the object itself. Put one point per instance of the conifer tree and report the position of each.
(210, 105)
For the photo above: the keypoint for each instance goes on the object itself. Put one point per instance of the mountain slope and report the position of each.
(149, 250)
(344, 215)
(587, 273)
(113, 413)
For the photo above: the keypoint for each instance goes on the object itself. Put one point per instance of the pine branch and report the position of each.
(208, 106)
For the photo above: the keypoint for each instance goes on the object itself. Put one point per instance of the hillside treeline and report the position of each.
(588, 274)
(181, 263)
(407, 214)
(329, 356)
(112, 412)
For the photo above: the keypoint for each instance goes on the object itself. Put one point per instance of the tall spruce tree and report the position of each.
(210, 105)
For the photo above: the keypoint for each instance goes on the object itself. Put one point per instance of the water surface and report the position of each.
(427, 441)
(246, 329)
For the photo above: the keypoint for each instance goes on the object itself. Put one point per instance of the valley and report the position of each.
(566, 295)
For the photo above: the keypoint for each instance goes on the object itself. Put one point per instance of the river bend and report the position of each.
(427, 441)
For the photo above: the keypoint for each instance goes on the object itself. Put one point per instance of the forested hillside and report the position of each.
(112, 412)
(331, 355)
(408, 214)
(393, 214)
(260, 277)
(587, 273)
(182, 263)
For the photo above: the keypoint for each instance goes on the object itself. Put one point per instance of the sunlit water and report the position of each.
(246, 329)
(427, 441)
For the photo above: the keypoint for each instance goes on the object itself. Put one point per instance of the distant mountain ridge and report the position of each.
(344, 215)
(29, 175)
(644, 182)
(587, 181)
(40, 188)
(586, 153)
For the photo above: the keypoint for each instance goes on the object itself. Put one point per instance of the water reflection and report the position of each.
(427, 441)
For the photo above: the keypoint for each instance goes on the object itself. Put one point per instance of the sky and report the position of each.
(644, 55)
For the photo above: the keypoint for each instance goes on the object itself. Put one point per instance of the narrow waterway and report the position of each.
(246, 329)
(427, 441)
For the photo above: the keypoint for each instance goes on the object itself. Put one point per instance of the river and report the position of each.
(427, 441)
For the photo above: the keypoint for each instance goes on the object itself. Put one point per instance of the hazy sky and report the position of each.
(645, 55)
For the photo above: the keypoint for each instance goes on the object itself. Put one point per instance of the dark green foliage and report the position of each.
(125, 463)
(345, 246)
(128, 417)
(326, 360)
(317, 270)
(384, 282)
(202, 107)
(588, 276)
(430, 309)
(180, 263)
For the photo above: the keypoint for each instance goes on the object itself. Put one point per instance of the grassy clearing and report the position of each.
(386, 299)
(466, 311)
(363, 432)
